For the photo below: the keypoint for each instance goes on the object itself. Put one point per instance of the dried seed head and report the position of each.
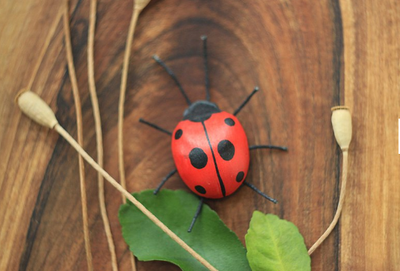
(35, 108)
(140, 4)
(341, 122)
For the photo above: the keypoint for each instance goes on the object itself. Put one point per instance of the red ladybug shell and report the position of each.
(211, 156)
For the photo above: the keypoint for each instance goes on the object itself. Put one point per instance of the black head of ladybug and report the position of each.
(200, 111)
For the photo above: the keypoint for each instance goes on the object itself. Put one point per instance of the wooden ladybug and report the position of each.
(209, 146)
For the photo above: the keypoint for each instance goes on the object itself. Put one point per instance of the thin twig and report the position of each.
(339, 208)
(78, 109)
(138, 6)
(124, 79)
(99, 134)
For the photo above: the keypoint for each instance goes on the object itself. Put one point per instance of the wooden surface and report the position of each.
(292, 49)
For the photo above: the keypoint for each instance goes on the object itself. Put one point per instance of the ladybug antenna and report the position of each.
(155, 126)
(171, 73)
(204, 39)
(245, 101)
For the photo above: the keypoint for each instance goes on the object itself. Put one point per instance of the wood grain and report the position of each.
(372, 212)
(292, 49)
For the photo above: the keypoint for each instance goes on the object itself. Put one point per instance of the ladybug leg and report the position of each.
(259, 192)
(169, 175)
(173, 76)
(196, 215)
(245, 101)
(204, 39)
(155, 126)
(254, 147)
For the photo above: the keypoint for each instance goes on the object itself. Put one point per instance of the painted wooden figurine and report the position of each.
(209, 146)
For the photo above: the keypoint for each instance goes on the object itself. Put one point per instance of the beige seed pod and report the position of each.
(341, 122)
(141, 4)
(35, 108)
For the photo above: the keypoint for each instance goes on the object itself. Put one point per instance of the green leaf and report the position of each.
(275, 244)
(210, 237)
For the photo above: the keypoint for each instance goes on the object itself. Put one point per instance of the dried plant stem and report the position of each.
(44, 49)
(342, 129)
(99, 133)
(340, 205)
(131, 198)
(78, 109)
(124, 78)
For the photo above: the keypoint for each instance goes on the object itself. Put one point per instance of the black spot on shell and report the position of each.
(229, 121)
(239, 176)
(226, 150)
(198, 158)
(200, 189)
(178, 134)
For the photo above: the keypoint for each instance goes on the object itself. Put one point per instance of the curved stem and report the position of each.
(78, 109)
(99, 134)
(124, 79)
(339, 208)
